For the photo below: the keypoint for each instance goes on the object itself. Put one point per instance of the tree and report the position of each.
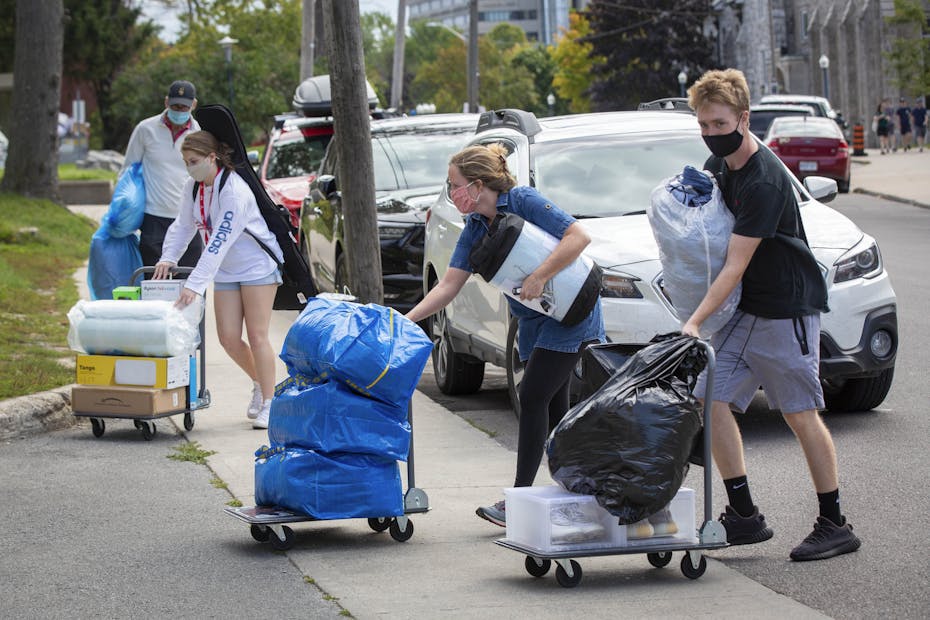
(910, 50)
(574, 61)
(32, 165)
(643, 45)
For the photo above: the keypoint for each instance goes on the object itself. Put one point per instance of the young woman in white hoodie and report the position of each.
(218, 205)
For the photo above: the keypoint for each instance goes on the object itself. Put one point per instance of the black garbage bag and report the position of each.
(628, 443)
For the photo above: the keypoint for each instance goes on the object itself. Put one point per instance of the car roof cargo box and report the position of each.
(313, 97)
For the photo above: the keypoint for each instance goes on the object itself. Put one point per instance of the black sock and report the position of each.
(830, 506)
(738, 495)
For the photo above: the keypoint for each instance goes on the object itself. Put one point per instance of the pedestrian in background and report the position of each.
(480, 185)
(882, 125)
(919, 115)
(773, 339)
(894, 135)
(904, 123)
(219, 206)
(156, 143)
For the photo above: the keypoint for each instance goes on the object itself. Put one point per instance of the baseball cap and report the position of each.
(181, 92)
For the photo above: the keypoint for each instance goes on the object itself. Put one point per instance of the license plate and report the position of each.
(808, 166)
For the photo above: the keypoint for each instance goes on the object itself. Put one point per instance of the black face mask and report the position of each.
(724, 144)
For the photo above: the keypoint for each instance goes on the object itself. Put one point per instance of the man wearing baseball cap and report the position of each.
(156, 143)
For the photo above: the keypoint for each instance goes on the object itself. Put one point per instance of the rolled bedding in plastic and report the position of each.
(515, 248)
(142, 328)
(375, 350)
(692, 225)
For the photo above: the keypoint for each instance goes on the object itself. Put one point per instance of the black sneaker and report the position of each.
(745, 530)
(826, 541)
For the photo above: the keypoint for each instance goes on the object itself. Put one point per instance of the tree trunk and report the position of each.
(353, 140)
(32, 163)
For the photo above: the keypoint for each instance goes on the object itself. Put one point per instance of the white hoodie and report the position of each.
(230, 254)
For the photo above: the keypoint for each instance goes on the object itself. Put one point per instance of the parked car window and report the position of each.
(297, 157)
(385, 178)
(422, 159)
(613, 175)
(812, 128)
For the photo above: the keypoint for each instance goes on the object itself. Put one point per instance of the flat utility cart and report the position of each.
(270, 524)
(146, 423)
(693, 564)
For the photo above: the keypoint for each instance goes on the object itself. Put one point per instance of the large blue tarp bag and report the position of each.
(329, 417)
(114, 248)
(373, 349)
(336, 486)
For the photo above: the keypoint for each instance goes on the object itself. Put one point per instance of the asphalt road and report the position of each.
(114, 529)
(882, 455)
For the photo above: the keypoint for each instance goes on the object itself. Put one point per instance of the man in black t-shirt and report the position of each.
(773, 339)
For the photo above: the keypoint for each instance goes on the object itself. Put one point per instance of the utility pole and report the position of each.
(307, 39)
(355, 174)
(400, 36)
(472, 55)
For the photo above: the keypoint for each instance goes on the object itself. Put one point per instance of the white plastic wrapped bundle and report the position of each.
(142, 328)
(692, 242)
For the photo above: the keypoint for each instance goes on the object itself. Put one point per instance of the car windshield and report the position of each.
(804, 127)
(759, 120)
(610, 175)
(296, 157)
(403, 161)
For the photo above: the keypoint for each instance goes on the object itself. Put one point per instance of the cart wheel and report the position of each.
(189, 420)
(379, 524)
(139, 424)
(97, 427)
(537, 567)
(690, 571)
(282, 545)
(660, 559)
(401, 535)
(148, 430)
(561, 575)
(260, 532)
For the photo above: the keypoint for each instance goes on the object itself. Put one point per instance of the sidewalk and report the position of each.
(901, 177)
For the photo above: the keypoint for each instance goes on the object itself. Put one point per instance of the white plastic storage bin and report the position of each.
(551, 519)
(682, 512)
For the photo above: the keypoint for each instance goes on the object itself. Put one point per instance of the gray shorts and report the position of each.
(780, 355)
(272, 278)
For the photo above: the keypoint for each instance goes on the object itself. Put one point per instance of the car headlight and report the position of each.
(618, 286)
(865, 264)
(391, 233)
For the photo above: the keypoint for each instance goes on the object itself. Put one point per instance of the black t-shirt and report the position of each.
(783, 279)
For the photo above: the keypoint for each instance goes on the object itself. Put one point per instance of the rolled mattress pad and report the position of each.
(143, 328)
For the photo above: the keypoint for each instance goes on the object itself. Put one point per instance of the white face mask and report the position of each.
(202, 170)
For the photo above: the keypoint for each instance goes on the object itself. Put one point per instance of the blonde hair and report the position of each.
(204, 143)
(485, 163)
(726, 87)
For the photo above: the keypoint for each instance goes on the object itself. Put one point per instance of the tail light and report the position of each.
(429, 212)
(843, 149)
(773, 146)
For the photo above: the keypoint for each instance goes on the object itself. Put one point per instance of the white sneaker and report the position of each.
(640, 529)
(663, 524)
(571, 523)
(261, 420)
(255, 405)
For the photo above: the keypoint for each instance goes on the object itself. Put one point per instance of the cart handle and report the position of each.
(174, 271)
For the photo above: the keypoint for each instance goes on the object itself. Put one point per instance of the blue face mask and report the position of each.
(178, 118)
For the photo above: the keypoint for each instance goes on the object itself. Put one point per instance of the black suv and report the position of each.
(411, 158)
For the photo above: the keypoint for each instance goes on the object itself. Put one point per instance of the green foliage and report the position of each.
(572, 57)
(41, 246)
(643, 45)
(910, 50)
(191, 452)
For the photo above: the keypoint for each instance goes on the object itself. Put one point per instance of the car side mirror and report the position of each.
(821, 188)
(326, 184)
(253, 158)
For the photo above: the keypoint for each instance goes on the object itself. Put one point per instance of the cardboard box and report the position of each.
(127, 292)
(168, 290)
(552, 519)
(127, 402)
(153, 372)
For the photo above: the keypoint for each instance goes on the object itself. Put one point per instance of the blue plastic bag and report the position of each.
(337, 486)
(331, 418)
(373, 349)
(114, 248)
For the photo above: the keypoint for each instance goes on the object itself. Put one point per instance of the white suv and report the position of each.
(602, 168)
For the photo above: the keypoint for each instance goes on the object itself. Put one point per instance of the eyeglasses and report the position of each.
(451, 186)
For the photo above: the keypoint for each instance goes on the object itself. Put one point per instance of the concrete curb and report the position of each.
(36, 413)
(907, 201)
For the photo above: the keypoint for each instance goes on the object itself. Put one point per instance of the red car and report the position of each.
(811, 146)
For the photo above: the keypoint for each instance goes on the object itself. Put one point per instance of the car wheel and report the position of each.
(843, 186)
(455, 373)
(858, 394)
(341, 278)
(515, 366)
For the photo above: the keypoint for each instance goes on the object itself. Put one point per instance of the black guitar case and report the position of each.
(298, 284)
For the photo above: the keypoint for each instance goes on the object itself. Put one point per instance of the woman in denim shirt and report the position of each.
(480, 186)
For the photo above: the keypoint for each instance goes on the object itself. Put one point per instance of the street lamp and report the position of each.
(682, 79)
(550, 99)
(824, 65)
(227, 43)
